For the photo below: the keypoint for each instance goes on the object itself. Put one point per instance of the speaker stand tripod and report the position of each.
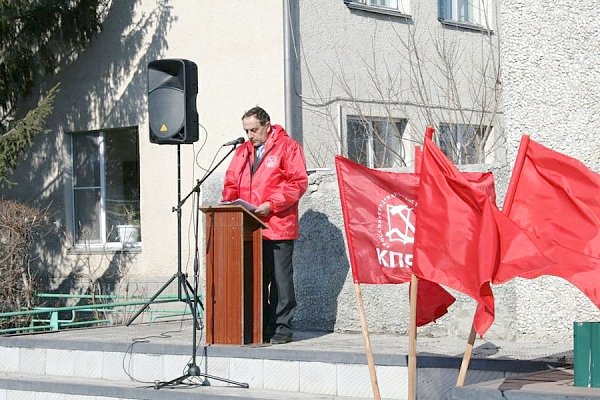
(183, 285)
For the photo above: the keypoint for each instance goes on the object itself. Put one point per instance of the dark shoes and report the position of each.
(278, 338)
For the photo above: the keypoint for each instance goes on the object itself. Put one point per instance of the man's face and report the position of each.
(256, 132)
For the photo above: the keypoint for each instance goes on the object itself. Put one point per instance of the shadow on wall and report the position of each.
(91, 276)
(105, 87)
(320, 270)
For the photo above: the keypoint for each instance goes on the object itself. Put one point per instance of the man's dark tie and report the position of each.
(258, 151)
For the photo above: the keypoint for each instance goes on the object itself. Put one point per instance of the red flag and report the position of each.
(379, 219)
(556, 200)
(457, 242)
(462, 236)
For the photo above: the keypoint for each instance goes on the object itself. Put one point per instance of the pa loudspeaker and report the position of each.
(172, 90)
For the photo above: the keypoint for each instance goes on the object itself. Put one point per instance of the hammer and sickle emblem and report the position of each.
(398, 217)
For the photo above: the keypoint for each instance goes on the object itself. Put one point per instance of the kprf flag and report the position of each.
(379, 219)
(379, 215)
(556, 200)
(457, 242)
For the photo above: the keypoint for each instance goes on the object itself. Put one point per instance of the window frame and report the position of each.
(103, 244)
(403, 9)
(484, 24)
(371, 146)
(453, 128)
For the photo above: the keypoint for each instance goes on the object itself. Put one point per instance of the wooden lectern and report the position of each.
(233, 275)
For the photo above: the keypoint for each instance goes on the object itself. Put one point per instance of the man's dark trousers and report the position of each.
(279, 299)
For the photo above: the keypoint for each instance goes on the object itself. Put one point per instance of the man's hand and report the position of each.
(263, 210)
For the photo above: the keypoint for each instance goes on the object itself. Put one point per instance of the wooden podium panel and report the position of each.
(233, 275)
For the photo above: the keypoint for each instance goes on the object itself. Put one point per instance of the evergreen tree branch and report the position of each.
(14, 142)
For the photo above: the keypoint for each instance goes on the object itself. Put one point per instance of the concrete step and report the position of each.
(315, 364)
(39, 387)
(556, 384)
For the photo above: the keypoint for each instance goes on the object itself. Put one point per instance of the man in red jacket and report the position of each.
(269, 171)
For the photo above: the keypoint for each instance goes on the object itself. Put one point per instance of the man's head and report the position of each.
(257, 125)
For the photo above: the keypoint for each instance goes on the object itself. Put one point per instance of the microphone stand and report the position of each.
(193, 369)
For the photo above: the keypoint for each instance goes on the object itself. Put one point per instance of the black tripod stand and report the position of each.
(192, 300)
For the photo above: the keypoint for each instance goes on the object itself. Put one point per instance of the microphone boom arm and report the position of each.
(199, 183)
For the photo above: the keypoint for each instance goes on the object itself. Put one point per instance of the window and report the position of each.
(394, 7)
(472, 12)
(375, 142)
(463, 144)
(381, 3)
(106, 186)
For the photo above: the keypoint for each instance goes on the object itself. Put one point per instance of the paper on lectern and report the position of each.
(239, 202)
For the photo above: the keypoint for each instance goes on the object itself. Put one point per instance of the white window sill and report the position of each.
(377, 10)
(465, 25)
(99, 248)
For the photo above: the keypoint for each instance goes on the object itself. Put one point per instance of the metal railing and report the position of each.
(49, 318)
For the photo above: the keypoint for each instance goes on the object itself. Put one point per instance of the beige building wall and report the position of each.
(550, 85)
(238, 48)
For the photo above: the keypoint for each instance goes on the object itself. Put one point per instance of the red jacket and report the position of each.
(280, 178)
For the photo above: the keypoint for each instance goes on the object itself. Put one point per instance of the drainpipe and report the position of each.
(289, 82)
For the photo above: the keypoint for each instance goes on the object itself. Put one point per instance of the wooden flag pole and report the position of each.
(414, 285)
(508, 200)
(365, 333)
(412, 340)
(464, 366)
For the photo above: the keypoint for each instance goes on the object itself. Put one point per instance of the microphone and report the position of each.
(235, 142)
